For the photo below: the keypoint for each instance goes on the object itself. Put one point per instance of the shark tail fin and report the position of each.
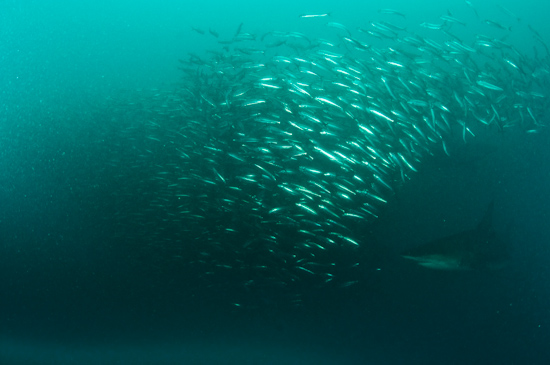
(487, 221)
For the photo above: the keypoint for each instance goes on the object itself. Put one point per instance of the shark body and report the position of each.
(474, 249)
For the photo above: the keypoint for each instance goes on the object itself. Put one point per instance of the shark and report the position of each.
(473, 249)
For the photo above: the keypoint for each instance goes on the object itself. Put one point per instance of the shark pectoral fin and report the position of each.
(437, 262)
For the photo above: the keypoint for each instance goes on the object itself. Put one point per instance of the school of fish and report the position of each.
(276, 149)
